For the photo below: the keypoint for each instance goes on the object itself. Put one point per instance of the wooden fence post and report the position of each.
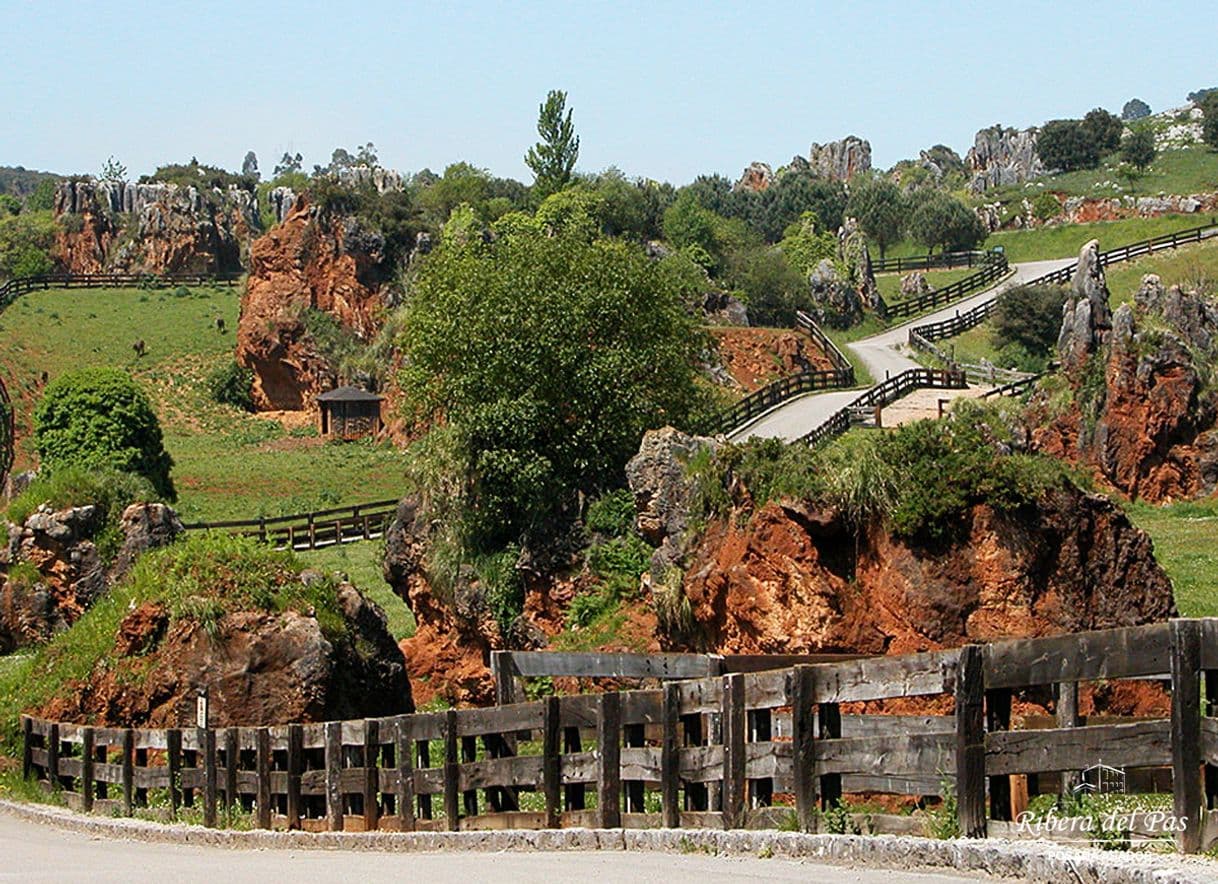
(295, 773)
(670, 758)
(551, 762)
(86, 768)
(334, 773)
(452, 772)
(262, 753)
(1186, 733)
(970, 742)
(1211, 710)
(803, 752)
(733, 751)
(1067, 716)
(998, 718)
(173, 762)
(232, 756)
(128, 762)
(609, 748)
(207, 745)
(372, 774)
(53, 756)
(27, 746)
(403, 744)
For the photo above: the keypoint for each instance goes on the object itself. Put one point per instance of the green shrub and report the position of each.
(1045, 206)
(1030, 316)
(232, 384)
(611, 513)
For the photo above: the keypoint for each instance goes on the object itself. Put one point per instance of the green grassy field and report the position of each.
(361, 562)
(1180, 171)
(1184, 545)
(228, 464)
(890, 283)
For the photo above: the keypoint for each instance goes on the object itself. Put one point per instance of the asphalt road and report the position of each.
(32, 852)
(883, 355)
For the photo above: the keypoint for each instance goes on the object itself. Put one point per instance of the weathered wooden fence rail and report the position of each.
(993, 267)
(882, 394)
(941, 261)
(782, 749)
(21, 285)
(321, 528)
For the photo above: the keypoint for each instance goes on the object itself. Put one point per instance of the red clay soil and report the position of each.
(757, 356)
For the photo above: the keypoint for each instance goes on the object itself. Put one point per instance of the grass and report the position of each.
(1183, 534)
(228, 464)
(1179, 171)
(890, 283)
(361, 562)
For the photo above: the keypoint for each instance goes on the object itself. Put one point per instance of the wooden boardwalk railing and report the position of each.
(923, 336)
(885, 393)
(783, 749)
(321, 528)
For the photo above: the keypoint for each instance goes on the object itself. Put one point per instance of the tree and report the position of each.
(1138, 149)
(553, 158)
(1135, 109)
(1029, 316)
(249, 166)
(943, 220)
(1067, 146)
(26, 241)
(880, 209)
(98, 418)
(1200, 95)
(1209, 122)
(785, 201)
(9, 205)
(113, 170)
(601, 348)
(1104, 130)
(42, 199)
(288, 164)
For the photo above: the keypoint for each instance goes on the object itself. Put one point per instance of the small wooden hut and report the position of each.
(349, 413)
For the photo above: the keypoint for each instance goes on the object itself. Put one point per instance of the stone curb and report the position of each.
(1025, 860)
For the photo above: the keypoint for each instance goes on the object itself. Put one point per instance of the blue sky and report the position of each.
(665, 90)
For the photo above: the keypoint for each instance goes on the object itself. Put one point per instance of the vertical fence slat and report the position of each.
(262, 756)
(803, 737)
(733, 750)
(334, 773)
(551, 762)
(670, 772)
(1186, 733)
(403, 744)
(830, 785)
(295, 772)
(452, 808)
(27, 746)
(970, 742)
(609, 747)
(87, 757)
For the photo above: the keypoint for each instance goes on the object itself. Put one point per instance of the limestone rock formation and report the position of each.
(51, 571)
(914, 284)
(281, 200)
(310, 262)
(657, 479)
(838, 304)
(720, 308)
(152, 228)
(840, 160)
(1086, 316)
(856, 258)
(756, 178)
(1001, 156)
(258, 667)
(798, 580)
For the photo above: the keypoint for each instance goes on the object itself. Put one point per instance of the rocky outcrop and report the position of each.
(856, 258)
(837, 304)
(914, 284)
(1141, 415)
(152, 228)
(1001, 156)
(840, 160)
(310, 262)
(1087, 210)
(755, 178)
(281, 199)
(795, 579)
(720, 308)
(258, 668)
(1086, 316)
(657, 479)
(51, 571)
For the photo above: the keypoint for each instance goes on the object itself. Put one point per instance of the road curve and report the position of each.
(35, 853)
(883, 354)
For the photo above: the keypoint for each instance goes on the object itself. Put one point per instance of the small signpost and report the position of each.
(201, 709)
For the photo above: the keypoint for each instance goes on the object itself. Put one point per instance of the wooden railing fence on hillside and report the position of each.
(942, 261)
(784, 750)
(313, 530)
(922, 337)
(993, 267)
(21, 285)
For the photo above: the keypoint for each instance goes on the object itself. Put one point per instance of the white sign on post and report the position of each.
(201, 711)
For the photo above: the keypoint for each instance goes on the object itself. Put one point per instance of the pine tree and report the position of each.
(553, 158)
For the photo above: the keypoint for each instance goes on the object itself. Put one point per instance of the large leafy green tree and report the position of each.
(1104, 129)
(553, 158)
(1067, 145)
(880, 208)
(942, 220)
(1139, 149)
(99, 418)
(1209, 123)
(547, 355)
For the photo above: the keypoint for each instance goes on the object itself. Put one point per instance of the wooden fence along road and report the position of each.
(781, 751)
(315, 530)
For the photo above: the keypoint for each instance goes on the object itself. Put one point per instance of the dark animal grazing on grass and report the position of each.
(139, 348)
(220, 324)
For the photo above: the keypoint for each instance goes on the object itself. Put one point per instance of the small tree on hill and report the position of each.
(880, 209)
(1104, 130)
(1030, 316)
(942, 220)
(249, 166)
(1067, 145)
(1139, 149)
(553, 158)
(98, 418)
(113, 170)
(1135, 109)
(1209, 124)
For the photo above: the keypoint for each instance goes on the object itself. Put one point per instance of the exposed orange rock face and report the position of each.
(309, 262)
(756, 356)
(795, 580)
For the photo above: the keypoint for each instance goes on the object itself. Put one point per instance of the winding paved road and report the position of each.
(35, 852)
(883, 354)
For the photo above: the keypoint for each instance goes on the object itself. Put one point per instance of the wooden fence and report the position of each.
(364, 521)
(923, 336)
(24, 284)
(993, 267)
(882, 394)
(941, 261)
(647, 757)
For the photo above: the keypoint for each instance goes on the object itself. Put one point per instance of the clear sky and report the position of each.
(660, 89)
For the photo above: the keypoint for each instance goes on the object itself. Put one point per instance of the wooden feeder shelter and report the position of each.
(350, 413)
